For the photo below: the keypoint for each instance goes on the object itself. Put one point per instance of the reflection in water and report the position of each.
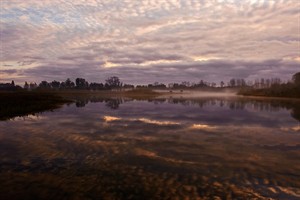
(296, 112)
(202, 126)
(110, 118)
(170, 148)
(113, 103)
(144, 120)
(270, 105)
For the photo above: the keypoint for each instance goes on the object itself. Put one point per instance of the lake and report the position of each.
(165, 148)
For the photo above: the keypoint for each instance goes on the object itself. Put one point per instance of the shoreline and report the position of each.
(14, 104)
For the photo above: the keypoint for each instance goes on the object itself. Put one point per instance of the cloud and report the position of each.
(149, 40)
(8, 71)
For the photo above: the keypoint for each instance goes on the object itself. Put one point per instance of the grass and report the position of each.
(141, 93)
(284, 90)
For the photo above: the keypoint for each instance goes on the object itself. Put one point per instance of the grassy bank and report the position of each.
(15, 104)
(286, 91)
(142, 93)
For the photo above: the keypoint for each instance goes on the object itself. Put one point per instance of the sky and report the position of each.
(146, 41)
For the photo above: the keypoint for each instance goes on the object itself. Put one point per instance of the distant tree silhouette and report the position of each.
(69, 84)
(32, 85)
(44, 85)
(128, 86)
(296, 78)
(274, 87)
(222, 84)
(232, 82)
(96, 86)
(113, 82)
(10, 87)
(26, 86)
(81, 83)
(157, 85)
(55, 84)
(261, 86)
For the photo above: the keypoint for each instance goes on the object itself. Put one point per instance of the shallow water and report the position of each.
(205, 148)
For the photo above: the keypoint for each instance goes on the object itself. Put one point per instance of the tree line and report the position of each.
(79, 83)
(114, 83)
(277, 89)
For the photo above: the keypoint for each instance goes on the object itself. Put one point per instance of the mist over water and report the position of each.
(217, 146)
(202, 94)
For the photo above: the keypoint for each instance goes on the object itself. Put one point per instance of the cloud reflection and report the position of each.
(110, 118)
(202, 126)
(144, 120)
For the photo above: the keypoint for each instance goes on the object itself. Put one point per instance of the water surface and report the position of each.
(168, 148)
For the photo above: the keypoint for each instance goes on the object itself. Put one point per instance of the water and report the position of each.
(205, 148)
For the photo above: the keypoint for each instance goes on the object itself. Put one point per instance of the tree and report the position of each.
(69, 84)
(296, 78)
(96, 86)
(26, 86)
(44, 84)
(201, 83)
(32, 85)
(242, 82)
(55, 84)
(185, 84)
(222, 84)
(81, 83)
(12, 83)
(268, 83)
(232, 82)
(128, 86)
(113, 82)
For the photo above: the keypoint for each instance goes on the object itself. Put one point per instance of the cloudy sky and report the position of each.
(149, 40)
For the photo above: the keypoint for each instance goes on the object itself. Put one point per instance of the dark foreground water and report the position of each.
(208, 148)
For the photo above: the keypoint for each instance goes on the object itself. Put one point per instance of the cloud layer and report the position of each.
(149, 40)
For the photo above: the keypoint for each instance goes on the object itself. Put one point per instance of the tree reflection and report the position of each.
(81, 103)
(260, 105)
(113, 103)
(296, 112)
(270, 105)
(255, 104)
